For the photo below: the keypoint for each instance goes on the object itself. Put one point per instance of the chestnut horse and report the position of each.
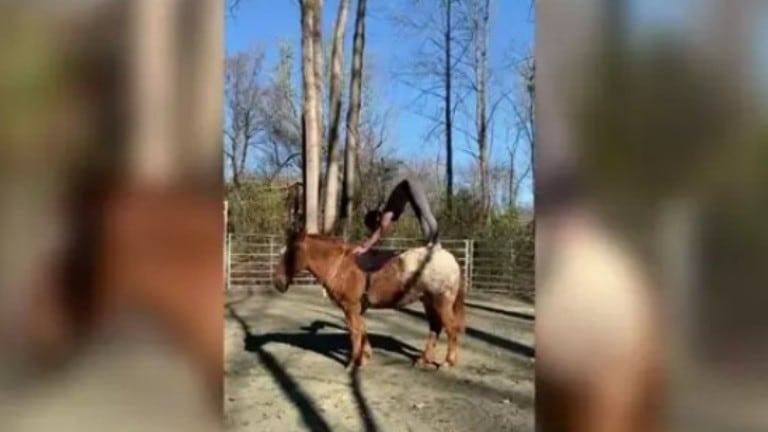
(428, 274)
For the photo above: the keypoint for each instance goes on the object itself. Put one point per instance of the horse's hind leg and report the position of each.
(435, 327)
(452, 329)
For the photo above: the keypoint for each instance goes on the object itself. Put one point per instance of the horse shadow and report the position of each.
(310, 415)
(334, 346)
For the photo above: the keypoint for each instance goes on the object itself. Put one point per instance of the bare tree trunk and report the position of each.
(303, 150)
(332, 170)
(531, 88)
(512, 198)
(448, 111)
(235, 171)
(353, 116)
(318, 57)
(312, 136)
(480, 18)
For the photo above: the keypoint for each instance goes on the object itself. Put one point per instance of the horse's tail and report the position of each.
(458, 306)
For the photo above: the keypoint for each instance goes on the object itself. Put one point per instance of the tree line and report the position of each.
(335, 134)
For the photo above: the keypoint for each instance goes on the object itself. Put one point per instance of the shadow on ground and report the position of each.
(334, 346)
(484, 336)
(310, 415)
(509, 313)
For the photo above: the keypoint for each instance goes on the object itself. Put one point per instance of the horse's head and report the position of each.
(292, 261)
(293, 255)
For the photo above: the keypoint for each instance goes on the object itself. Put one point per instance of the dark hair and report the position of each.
(372, 219)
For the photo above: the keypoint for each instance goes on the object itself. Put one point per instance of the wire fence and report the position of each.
(487, 265)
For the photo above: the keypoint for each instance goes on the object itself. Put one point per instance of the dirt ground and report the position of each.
(284, 368)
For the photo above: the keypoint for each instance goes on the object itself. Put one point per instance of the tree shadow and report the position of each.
(335, 346)
(309, 413)
(484, 336)
(362, 405)
(509, 313)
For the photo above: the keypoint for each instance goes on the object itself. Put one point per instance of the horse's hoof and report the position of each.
(351, 367)
(437, 365)
(427, 363)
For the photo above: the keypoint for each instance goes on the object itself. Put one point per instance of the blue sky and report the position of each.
(266, 22)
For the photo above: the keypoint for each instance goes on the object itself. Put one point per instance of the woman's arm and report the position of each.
(386, 221)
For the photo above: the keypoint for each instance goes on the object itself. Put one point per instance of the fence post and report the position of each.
(514, 284)
(225, 262)
(472, 262)
(468, 246)
(271, 255)
(229, 260)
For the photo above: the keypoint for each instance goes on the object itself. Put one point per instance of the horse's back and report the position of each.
(434, 267)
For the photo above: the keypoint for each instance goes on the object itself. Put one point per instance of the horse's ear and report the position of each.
(294, 207)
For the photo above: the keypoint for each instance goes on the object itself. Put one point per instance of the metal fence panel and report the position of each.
(486, 266)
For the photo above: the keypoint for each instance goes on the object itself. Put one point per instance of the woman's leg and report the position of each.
(424, 212)
(429, 229)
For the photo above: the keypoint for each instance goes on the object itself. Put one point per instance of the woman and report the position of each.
(378, 221)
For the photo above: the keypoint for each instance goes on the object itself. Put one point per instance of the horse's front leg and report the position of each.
(356, 327)
(367, 350)
(435, 328)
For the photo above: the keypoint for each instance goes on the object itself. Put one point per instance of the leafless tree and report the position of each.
(353, 115)
(478, 15)
(334, 97)
(262, 128)
(318, 62)
(434, 68)
(447, 108)
(524, 124)
(282, 148)
(312, 118)
(243, 98)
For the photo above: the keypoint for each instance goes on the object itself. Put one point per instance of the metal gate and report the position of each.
(251, 258)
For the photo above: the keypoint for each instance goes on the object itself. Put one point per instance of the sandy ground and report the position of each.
(285, 355)
(132, 379)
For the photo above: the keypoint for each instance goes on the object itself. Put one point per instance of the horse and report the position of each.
(427, 274)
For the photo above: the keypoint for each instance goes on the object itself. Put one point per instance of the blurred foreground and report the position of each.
(110, 185)
(651, 173)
